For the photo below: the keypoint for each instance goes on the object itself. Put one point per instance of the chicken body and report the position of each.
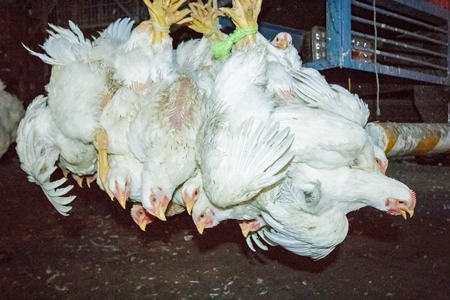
(241, 150)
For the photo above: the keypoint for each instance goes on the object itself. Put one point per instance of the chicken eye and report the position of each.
(153, 199)
(195, 192)
(202, 216)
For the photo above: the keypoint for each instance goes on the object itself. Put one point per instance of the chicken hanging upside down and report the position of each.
(223, 127)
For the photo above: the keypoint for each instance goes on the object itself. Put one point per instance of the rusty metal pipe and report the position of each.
(410, 139)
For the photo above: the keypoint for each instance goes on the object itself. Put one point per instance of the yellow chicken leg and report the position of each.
(205, 20)
(163, 14)
(101, 144)
(244, 14)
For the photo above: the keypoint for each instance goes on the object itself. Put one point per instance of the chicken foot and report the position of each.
(163, 14)
(80, 179)
(244, 14)
(101, 144)
(205, 20)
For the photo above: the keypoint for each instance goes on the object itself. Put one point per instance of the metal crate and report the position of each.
(95, 13)
(403, 38)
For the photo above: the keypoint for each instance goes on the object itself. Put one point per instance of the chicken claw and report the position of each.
(244, 13)
(90, 179)
(163, 14)
(255, 236)
(78, 179)
(205, 19)
(65, 172)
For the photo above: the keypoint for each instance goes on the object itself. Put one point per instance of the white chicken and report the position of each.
(12, 112)
(162, 137)
(282, 61)
(320, 211)
(241, 150)
(79, 87)
(124, 176)
(188, 193)
(163, 134)
(207, 215)
(326, 140)
(301, 85)
(138, 64)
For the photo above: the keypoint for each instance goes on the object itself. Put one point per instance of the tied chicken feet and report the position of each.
(205, 20)
(244, 15)
(163, 14)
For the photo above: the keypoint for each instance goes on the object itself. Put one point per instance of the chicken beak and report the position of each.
(161, 209)
(283, 44)
(189, 202)
(160, 213)
(121, 195)
(189, 208)
(122, 201)
(143, 225)
(403, 213)
(410, 212)
(200, 227)
(245, 228)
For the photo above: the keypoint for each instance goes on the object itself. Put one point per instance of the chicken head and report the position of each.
(203, 219)
(282, 40)
(158, 201)
(140, 216)
(401, 207)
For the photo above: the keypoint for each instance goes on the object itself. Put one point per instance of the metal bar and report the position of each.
(398, 30)
(405, 139)
(401, 57)
(319, 64)
(338, 32)
(399, 44)
(398, 16)
(422, 6)
(398, 72)
(124, 9)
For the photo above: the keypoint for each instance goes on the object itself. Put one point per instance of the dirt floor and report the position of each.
(98, 252)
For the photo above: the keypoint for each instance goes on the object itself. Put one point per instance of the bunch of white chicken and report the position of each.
(224, 127)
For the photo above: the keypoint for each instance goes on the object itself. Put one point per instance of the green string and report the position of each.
(222, 48)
